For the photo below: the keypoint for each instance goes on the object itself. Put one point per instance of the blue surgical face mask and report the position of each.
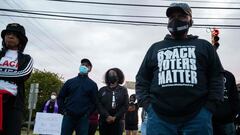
(83, 69)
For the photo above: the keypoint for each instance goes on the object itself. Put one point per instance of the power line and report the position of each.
(75, 17)
(89, 18)
(37, 37)
(204, 1)
(137, 5)
(29, 32)
(137, 23)
(107, 3)
(79, 20)
(67, 51)
(122, 15)
(52, 38)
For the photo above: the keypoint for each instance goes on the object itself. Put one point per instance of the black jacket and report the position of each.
(78, 96)
(179, 77)
(230, 107)
(25, 67)
(105, 102)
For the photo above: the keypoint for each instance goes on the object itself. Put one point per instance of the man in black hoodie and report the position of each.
(180, 81)
(15, 69)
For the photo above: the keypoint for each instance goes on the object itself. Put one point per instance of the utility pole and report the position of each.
(32, 101)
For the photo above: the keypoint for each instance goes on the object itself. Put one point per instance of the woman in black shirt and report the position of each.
(131, 117)
(112, 103)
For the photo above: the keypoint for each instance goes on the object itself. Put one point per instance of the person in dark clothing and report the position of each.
(93, 123)
(15, 68)
(131, 117)
(51, 105)
(180, 81)
(224, 116)
(112, 103)
(77, 99)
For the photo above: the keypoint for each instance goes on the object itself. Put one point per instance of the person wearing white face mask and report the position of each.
(77, 100)
(51, 105)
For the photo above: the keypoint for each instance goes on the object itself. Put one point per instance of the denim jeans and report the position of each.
(201, 124)
(80, 125)
(144, 128)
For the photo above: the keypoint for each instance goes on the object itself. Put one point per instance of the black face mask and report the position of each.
(112, 79)
(178, 28)
(131, 101)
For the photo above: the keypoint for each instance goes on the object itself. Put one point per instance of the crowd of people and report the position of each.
(181, 86)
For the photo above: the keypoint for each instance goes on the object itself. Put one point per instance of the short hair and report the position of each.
(133, 96)
(54, 92)
(86, 61)
(120, 76)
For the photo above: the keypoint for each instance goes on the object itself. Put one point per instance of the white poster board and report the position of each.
(48, 123)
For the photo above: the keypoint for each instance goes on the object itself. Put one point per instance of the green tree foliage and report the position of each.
(48, 82)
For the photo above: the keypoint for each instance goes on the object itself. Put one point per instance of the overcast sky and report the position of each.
(58, 46)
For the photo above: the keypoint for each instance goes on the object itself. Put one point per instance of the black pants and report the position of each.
(92, 129)
(12, 120)
(115, 128)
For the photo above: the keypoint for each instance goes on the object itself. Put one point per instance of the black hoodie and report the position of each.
(179, 77)
(230, 107)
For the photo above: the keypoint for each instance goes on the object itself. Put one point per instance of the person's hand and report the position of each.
(109, 119)
(131, 108)
(113, 119)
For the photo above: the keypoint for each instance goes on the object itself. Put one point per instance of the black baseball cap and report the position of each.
(180, 7)
(85, 60)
